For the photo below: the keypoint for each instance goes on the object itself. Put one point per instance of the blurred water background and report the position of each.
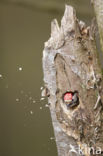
(25, 122)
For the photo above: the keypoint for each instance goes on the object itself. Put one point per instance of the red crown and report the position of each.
(68, 97)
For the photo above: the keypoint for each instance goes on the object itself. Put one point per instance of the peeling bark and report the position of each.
(70, 62)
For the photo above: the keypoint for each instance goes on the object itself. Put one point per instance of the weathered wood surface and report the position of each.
(70, 62)
(98, 7)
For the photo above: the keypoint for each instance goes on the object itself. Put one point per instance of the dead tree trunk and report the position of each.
(70, 64)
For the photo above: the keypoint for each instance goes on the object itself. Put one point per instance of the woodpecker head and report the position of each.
(71, 99)
(67, 97)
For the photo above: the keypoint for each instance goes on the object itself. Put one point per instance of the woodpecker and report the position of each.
(71, 99)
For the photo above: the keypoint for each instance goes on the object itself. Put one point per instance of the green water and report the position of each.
(25, 122)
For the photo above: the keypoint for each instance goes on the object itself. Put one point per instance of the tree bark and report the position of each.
(70, 63)
(98, 7)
